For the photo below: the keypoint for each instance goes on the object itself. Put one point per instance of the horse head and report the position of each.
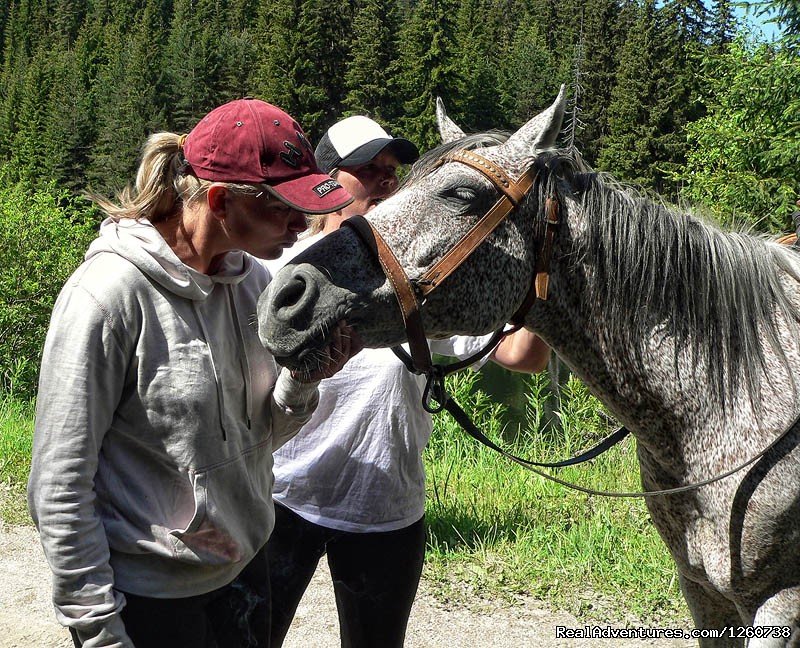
(340, 278)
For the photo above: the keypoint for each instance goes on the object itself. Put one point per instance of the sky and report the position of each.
(770, 30)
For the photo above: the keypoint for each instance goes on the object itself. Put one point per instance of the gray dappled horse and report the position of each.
(687, 333)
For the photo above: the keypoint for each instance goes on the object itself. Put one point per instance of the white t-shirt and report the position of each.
(357, 464)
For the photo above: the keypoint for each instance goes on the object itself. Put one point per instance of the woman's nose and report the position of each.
(389, 182)
(298, 222)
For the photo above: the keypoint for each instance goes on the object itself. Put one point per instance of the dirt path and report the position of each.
(27, 620)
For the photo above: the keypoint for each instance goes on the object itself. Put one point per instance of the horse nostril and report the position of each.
(294, 297)
(291, 293)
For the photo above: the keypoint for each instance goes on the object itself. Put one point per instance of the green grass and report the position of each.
(499, 530)
(16, 436)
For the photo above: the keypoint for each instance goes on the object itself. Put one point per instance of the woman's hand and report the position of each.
(344, 344)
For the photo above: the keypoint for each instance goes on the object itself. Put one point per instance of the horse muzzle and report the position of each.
(297, 311)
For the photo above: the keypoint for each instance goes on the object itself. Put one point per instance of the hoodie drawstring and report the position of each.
(244, 365)
(217, 381)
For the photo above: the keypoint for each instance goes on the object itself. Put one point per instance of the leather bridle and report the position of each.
(409, 292)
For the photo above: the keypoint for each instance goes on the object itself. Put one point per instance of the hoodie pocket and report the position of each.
(233, 513)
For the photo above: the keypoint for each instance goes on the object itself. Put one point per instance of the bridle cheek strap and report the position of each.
(403, 290)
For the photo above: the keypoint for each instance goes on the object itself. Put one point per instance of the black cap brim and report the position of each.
(405, 152)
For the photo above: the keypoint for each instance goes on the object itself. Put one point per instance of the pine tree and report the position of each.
(21, 33)
(570, 18)
(528, 75)
(603, 32)
(502, 19)
(303, 56)
(322, 64)
(12, 82)
(426, 69)
(238, 50)
(476, 67)
(129, 100)
(368, 79)
(682, 29)
(546, 16)
(627, 148)
(192, 63)
(69, 126)
(278, 48)
(5, 12)
(656, 94)
(723, 25)
(27, 154)
(68, 16)
(239, 15)
(12, 79)
(68, 113)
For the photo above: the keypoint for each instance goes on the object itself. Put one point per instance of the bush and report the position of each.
(43, 237)
(742, 160)
(16, 442)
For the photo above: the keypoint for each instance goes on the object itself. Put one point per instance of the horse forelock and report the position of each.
(717, 293)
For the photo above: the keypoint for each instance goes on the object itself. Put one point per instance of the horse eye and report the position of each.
(462, 194)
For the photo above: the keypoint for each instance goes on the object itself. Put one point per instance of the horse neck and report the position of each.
(650, 305)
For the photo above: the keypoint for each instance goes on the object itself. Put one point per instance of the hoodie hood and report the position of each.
(141, 243)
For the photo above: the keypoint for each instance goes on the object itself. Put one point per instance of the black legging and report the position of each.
(375, 577)
(233, 616)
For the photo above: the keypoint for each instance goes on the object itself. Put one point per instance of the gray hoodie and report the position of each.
(157, 414)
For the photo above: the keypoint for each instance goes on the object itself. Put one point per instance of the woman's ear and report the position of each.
(217, 196)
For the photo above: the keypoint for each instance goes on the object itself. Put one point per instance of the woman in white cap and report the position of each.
(158, 408)
(351, 484)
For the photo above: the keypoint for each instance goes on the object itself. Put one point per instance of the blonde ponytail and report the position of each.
(164, 183)
(161, 186)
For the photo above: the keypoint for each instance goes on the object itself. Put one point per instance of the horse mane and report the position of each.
(717, 293)
(663, 271)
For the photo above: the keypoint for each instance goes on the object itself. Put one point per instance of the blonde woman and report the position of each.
(158, 409)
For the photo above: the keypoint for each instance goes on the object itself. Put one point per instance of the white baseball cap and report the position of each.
(357, 140)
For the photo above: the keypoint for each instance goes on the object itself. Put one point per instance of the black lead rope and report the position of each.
(435, 388)
(465, 422)
(435, 399)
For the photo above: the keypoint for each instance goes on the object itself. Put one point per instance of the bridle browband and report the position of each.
(512, 193)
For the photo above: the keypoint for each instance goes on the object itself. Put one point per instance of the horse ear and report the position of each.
(448, 130)
(541, 131)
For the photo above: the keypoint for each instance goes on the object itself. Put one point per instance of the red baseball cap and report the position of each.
(248, 140)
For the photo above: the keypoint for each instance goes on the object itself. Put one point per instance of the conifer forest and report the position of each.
(682, 97)
(678, 96)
